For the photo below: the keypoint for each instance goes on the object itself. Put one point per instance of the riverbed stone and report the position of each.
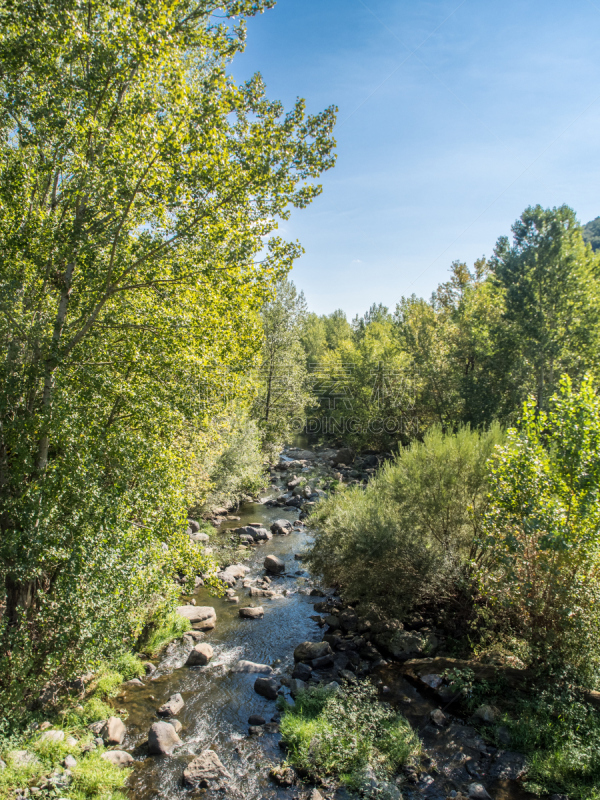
(176, 724)
(204, 618)
(267, 687)
(162, 739)
(283, 776)
(233, 572)
(274, 565)
(114, 731)
(172, 707)
(133, 683)
(256, 719)
(206, 772)
(250, 667)
(478, 792)
(200, 655)
(323, 662)
(297, 686)
(149, 668)
(508, 767)
(302, 671)
(308, 651)
(118, 757)
(281, 527)
(252, 612)
(261, 535)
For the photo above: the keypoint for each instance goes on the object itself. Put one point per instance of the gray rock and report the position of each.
(486, 714)
(199, 537)
(297, 686)
(261, 535)
(250, 667)
(69, 762)
(344, 456)
(172, 707)
(200, 655)
(150, 668)
(508, 767)
(256, 719)
(57, 736)
(133, 682)
(267, 687)
(324, 662)
(302, 671)
(274, 565)
(22, 758)
(316, 795)
(193, 525)
(438, 718)
(252, 613)
(478, 792)
(118, 757)
(308, 651)
(206, 772)
(203, 617)
(114, 731)
(281, 527)
(176, 724)
(162, 739)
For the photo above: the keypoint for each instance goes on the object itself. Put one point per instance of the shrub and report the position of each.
(542, 531)
(415, 530)
(161, 631)
(341, 733)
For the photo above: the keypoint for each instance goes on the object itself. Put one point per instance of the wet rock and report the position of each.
(162, 739)
(283, 776)
(203, 617)
(297, 686)
(113, 731)
(255, 730)
(281, 527)
(332, 620)
(478, 792)
(250, 667)
(302, 672)
(274, 565)
(172, 707)
(251, 612)
(256, 719)
(267, 687)
(508, 767)
(206, 772)
(200, 655)
(118, 757)
(234, 572)
(262, 535)
(133, 683)
(309, 651)
(150, 668)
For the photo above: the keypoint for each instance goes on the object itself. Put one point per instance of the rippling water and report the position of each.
(218, 702)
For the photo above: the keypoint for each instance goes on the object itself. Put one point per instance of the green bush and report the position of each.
(93, 777)
(542, 531)
(414, 532)
(161, 631)
(341, 733)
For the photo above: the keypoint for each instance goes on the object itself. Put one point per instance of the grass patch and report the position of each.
(96, 778)
(341, 734)
(163, 631)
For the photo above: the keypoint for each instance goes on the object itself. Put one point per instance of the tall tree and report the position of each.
(137, 186)
(550, 281)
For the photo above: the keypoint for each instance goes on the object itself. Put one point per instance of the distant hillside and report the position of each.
(591, 233)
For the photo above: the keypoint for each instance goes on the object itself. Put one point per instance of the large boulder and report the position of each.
(308, 651)
(252, 668)
(200, 655)
(162, 739)
(267, 687)
(172, 707)
(251, 612)
(344, 456)
(204, 618)
(206, 772)
(281, 527)
(274, 565)
(118, 757)
(113, 731)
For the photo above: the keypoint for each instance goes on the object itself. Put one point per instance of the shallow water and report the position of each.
(218, 702)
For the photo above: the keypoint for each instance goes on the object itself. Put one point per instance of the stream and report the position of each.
(218, 701)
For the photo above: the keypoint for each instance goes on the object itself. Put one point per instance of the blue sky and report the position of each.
(453, 117)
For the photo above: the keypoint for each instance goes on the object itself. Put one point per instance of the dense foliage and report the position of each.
(138, 185)
(414, 532)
